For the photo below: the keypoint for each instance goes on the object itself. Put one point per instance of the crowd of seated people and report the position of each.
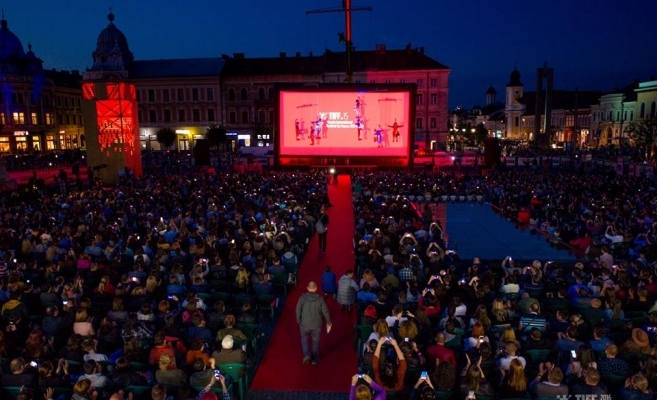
(159, 282)
(431, 325)
(599, 210)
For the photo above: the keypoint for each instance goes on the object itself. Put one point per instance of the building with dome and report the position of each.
(109, 105)
(39, 109)
(190, 95)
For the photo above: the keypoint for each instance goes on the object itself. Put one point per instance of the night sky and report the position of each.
(592, 44)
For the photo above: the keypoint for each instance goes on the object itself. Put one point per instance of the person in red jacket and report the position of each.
(439, 353)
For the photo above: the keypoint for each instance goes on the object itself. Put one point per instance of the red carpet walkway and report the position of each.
(281, 367)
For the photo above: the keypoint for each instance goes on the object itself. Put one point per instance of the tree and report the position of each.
(216, 135)
(480, 133)
(166, 137)
(642, 133)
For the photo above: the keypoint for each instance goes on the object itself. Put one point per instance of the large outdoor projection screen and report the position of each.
(339, 120)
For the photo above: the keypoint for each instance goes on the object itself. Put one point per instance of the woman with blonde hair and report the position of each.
(636, 388)
(105, 287)
(514, 382)
(242, 280)
(168, 373)
(380, 330)
(481, 316)
(229, 323)
(152, 284)
(368, 276)
(508, 336)
(408, 330)
(474, 380)
(499, 313)
(82, 325)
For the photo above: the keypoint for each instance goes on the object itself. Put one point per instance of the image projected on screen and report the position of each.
(344, 123)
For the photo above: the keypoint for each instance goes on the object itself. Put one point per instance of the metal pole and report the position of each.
(347, 18)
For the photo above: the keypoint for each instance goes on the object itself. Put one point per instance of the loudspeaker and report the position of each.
(202, 153)
(492, 152)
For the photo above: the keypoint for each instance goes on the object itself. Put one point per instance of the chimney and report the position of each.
(408, 48)
(225, 56)
(310, 54)
(281, 54)
(421, 49)
(383, 49)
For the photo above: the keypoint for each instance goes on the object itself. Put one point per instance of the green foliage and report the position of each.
(642, 133)
(166, 137)
(216, 135)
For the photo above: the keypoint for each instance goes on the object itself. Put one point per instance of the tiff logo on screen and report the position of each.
(585, 397)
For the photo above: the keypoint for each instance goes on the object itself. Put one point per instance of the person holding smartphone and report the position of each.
(364, 388)
(391, 375)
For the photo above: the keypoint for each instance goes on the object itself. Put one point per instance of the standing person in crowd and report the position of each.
(310, 309)
(347, 289)
(322, 228)
(329, 286)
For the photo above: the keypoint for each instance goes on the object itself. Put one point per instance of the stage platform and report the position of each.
(475, 230)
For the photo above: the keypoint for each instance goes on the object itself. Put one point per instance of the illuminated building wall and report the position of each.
(113, 139)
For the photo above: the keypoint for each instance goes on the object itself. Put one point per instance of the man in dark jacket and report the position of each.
(310, 309)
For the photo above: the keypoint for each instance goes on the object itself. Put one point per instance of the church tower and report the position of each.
(514, 108)
(491, 95)
(109, 107)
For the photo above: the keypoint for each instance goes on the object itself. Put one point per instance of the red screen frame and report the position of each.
(340, 108)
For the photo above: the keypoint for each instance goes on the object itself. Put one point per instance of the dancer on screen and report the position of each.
(378, 135)
(359, 125)
(395, 130)
(297, 128)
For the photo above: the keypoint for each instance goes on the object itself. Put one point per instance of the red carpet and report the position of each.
(281, 367)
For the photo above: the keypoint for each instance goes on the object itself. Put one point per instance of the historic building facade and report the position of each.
(39, 109)
(190, 95)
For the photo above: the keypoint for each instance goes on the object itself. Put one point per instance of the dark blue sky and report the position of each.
(592, 44)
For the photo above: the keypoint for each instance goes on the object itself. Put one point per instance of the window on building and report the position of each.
(46, 100)
(420, 82)
(262, 116)
(652, 109)
(433, 82)
(261, 93)
(211, 117)
(138, 93)
(244, 94)
(271, 117)
(60, 119)
(245, 117)
(19, 99)
(195, 94)
(33, 99)
(372, 80)
(151, 95)
(434, 98)
(418, 123)
(152, 116)
(167, 115)
(231, 94)
(432, 122)
(631, 115)
(139, 116)
(181, 94)
(181, 115)
(625, 116)
(610, 116)
(271, 93)
(2, 118)
(196, 114)
(165, 94)
(516, 121)
(34, 119)
(617, 115)
(232, 117)
(209, 93)
(68, 119)
(642, 110)
(420, 98)
(402, 80)
(19, 118)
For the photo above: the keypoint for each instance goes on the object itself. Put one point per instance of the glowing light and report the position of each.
(332, 170)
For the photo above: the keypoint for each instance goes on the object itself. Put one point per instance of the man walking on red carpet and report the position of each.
(310, 309)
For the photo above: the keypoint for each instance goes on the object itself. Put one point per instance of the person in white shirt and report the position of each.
(397, 315)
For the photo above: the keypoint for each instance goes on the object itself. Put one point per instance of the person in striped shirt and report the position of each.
(533, 319)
